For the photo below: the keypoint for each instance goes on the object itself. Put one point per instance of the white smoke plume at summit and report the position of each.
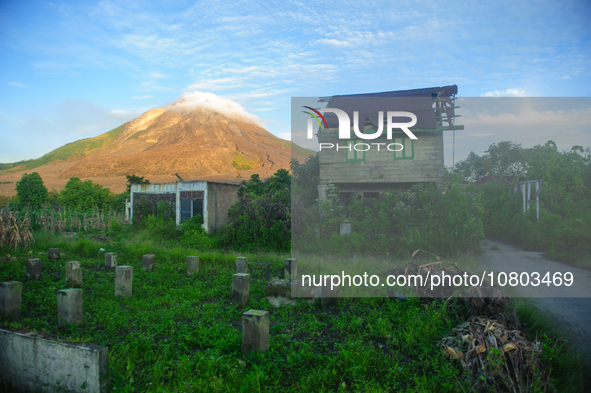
(189, 101)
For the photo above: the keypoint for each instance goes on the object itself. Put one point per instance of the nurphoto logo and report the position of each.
(345, 128)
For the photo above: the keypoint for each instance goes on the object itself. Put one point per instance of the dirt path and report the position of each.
(570, 307)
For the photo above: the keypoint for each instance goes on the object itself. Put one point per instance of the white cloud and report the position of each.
(505, 93)
(216, 103)
(216, 84)
(529, 121)
(259, 93)
(16, 84)
(333, 42)
(264, 109)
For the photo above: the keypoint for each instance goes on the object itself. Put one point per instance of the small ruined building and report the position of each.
(369, 173)
(187, 199)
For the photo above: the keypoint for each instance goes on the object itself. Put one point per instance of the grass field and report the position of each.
(179, 333)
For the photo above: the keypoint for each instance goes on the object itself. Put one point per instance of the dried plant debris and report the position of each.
(497, 358)
(15, 230)
(489, 302)
(412, 270)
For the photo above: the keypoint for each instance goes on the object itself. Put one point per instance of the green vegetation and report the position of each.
(179, 333)
(261, 219)
(563, 231)
(76, 149)
(446, 218)
(569, 369)
(31, 191)
(305, 180)
(242, 163)
(84, 195)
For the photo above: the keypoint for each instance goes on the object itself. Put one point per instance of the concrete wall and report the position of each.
(221, 197)
(217, 198)
(160, 188)
(32, 363)
(380, 166)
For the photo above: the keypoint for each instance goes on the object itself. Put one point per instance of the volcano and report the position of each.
(197, 143)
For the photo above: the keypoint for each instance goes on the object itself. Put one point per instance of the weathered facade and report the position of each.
(367, 168)
(187, 199)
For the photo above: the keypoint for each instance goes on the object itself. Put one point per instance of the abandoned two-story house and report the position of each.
(368, 168)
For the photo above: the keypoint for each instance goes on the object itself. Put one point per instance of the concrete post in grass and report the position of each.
(329, 297)
(240, 289)
(192, 265)
(74, 274)
(10, 299)
(241, 265)
(255, 331)
(290, 269)
(53, 254)
(69, 306)
(148, 261)
(123, 281)
(33, 269)
(111, 259)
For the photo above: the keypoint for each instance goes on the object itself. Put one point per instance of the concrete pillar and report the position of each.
(241, 265)
(240, 289)
(74, 274)
(111, 259)
(192, 265)
(69, 306)
(322, 191)
(329, 297)
(345, 227)
(148, 261)
(255, 331)
(33, 269)
(290, 269)
(10, 299)
(54, 254)
(123, 281)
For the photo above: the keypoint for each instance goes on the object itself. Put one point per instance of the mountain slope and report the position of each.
(196, 143)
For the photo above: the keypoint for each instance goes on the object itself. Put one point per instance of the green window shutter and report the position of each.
(354, 155)
(409, 149)
(408, 152)
(350, 151)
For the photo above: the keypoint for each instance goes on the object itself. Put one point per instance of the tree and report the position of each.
(261, 219)
(306, 178)
(500, 159)
(31, 191)
(84, 195)
(133, 179)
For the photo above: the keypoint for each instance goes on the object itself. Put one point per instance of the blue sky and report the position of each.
(71, 70)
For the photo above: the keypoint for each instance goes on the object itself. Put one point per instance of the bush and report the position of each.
(445, 218)
(261, 220)
(563, 230)
(84, 195)
(116, 226)
(194, 234)
(31, 191)
(162, 228)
